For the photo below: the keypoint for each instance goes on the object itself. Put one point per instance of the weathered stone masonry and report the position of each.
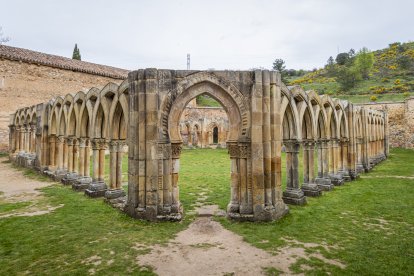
(145, 111)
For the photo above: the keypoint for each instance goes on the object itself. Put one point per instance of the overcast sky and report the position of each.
(218, 34)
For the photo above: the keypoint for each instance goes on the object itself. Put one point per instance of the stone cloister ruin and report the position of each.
(67, 135)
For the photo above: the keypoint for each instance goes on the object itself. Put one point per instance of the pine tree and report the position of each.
(76, 53)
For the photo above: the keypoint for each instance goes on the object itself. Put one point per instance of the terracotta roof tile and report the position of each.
(24, 55)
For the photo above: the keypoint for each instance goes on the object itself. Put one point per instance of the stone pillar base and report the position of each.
(150, 213)
(324, 184)
(69, 178)
(271, 213)
(294, 196)
(336, 179)
(345, 175)
(115, 193)
(96, 189)
(59, 174)
(81, 183)
(311, 189)
(360, 168)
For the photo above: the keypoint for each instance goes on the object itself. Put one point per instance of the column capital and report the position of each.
(99, 143)
(233, 149)
(176, 150)
(292, 145)
(60, 139)
(69, 140)
(82, 142)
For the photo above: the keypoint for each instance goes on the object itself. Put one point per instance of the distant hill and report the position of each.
(390, 78)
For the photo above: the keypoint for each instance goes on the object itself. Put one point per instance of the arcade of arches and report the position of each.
(143, 118)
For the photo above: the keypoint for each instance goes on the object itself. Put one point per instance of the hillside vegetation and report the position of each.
(382, 75)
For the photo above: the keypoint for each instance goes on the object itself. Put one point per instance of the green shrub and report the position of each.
(373, 98)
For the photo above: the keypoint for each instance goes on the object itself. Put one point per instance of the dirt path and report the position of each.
(15, 187)
(206, 248)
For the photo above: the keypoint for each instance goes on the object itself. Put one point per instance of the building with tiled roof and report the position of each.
(29, 77)
(29, 56)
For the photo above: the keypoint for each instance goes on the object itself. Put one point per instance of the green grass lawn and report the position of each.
(368, 223)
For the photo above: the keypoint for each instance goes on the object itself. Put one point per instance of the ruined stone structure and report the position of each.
(400, 120)
(57, 137)
(27, 77)
(204, 126)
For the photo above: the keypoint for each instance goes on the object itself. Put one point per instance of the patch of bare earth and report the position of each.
(206, 248)
(15, 187)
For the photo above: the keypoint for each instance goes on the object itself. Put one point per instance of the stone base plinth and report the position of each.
(360, 168)
(96, 189)
(260, 213)
(345, 175)
(336, 179)
(59, 175)
(150, 213)
(81, 184)
(117, 203)
(115, 193)
(324, 184)
(69, 178)
(311, 189)
(294, 196)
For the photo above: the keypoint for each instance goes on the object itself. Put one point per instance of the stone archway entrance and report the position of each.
(157, 99)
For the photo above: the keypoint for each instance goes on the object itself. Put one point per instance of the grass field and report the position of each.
(366, 224)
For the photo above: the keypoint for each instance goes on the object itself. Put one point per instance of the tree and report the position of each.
(330, 67)
(342, 58)
(347, 77)
(279, 65)
(364, 60)
(3, 39)
(76, 53)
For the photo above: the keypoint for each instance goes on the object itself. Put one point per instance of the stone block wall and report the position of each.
(401, 121)
(24, 84)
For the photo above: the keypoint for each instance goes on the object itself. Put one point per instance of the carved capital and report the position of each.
(60, 139)
(244, 150)
(82, 142)
(69, 141)
(233, 149)
(176, 150)
(292, 146)
(99, 144)
(164, 151)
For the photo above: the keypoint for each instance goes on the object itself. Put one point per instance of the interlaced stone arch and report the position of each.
(144, 112)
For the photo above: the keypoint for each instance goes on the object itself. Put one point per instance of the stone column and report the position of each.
(101, 167)
(59, 153)
(293, 195)
(81, 167)
(70, 153)
(345, 168)
(98, 187)
(323, 181)
(113, 149)
(309, 187)
(26, 139)
(119, 156)
(359, 166)
(76, 156)
(95, 159)
(65, 155)
(234, 205)
(336, 178)
(32, 147)
(87, 158)
(21, 138)
(52, 147)
(176, 152)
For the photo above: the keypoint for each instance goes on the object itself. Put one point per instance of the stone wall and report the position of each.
(24, 84)
(401, 121)
(197, 126)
